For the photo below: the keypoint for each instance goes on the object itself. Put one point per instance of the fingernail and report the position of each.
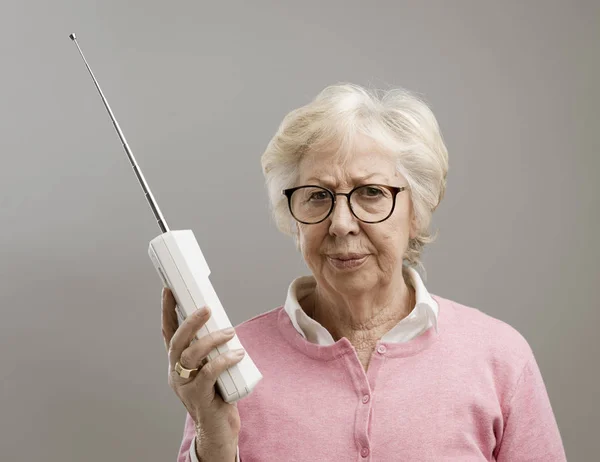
(239, 353)
(202, 311)
(229, 331)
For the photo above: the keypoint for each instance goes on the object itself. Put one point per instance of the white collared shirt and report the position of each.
(423, 315)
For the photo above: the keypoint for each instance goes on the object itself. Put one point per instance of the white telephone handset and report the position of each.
(182, 268)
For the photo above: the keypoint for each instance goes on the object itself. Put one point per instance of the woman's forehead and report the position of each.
(351, 167)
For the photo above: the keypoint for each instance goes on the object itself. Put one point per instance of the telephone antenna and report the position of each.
(149, 197)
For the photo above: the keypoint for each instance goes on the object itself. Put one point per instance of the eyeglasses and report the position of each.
(371, 203)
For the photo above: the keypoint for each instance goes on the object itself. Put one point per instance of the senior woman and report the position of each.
(361, 362)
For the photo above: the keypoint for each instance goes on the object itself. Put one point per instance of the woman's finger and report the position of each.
(185, 334)
(168, 316)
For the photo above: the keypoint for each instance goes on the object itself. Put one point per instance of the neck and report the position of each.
(362, 319)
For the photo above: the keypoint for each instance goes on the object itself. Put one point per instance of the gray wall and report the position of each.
(199, 89)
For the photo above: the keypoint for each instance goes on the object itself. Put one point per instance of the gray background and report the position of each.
(199, 88)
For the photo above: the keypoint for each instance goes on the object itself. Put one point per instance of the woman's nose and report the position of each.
(342, 219)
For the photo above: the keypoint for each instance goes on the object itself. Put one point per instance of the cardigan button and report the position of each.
(381, 349)
(364, 452)
(365, 399)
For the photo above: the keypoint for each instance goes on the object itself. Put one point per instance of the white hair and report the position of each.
(397, 120)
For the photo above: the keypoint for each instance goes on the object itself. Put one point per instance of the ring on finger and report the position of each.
(183, 372)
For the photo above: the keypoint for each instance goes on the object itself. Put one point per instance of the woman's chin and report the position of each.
(351, 278)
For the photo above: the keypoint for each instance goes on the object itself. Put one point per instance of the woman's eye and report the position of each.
(318, 196)
(373, 192)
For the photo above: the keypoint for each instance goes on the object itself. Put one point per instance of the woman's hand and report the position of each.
(217, 422)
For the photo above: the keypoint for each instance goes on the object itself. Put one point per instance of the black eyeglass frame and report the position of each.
(395, 190)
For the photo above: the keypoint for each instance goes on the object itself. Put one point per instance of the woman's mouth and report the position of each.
(352, 261)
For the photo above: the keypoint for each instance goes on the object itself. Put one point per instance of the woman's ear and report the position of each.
(295, 234)
(297, 241)
(414, 225)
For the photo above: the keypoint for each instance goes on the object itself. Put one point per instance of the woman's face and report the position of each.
(382, 244)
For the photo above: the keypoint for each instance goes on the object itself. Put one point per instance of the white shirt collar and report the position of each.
(423, 315)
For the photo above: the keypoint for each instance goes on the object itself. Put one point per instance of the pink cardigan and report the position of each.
(470, 392)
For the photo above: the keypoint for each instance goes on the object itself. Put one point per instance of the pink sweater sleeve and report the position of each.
(189, 433)
(530, 430)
